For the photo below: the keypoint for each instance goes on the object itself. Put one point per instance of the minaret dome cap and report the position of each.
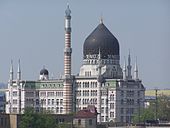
(68, 11)
(44, 72)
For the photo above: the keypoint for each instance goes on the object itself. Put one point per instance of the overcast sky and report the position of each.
(33, 31)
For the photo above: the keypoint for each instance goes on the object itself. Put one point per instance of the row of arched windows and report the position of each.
(104, 61)
(86, 93)
(86, 84)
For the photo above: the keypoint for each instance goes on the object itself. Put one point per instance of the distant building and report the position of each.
(86, 118)
(101, 82)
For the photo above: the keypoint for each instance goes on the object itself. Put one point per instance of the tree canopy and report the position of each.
(31, 119)
(149, 113)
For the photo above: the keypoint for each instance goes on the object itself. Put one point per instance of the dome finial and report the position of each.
(68, 11)
(101, 19)
(43, 66)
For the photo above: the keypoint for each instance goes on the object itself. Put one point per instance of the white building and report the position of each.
(101, 82)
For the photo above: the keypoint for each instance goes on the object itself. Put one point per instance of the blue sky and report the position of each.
(33, 31)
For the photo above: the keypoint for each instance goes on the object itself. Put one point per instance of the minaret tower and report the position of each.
(11, 76)
(136, 71)
(124, 70)
(129, 67)
(19, 71)
(68, 96)
(99, 79)
(10, 83)
(19, 87)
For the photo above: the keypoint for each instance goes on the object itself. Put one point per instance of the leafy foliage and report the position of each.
(146, 114)
(164, 107)
(163, 112)
(31, 119)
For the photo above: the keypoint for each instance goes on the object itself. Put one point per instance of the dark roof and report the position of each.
(85, 114)
(101, 38)
(44, 72)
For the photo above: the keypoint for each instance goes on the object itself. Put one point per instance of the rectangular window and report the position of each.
(111, 114)
(83, 93)
(57, 101)
(122, 93)
(111, 105)
(127, 110)
(138, 93)
(84, 108)
(102, 110)
(14, 101)
(102, 118)
(61, 109)
(106, 109)
(48, 108)
(14, 93)
(29, 94)
(90, 122)
(49, 101)
(102, 102)
(37, 101)
(14, 110)
(122, 110)
(61, 101)
(106, 101)
(106, 118)
(112, 97)
(79, 122)
(37, 109)
(43, 94)
(52, 109)
(50, 93)
(122, 101)
(43, 101)
(37, 93)
(57, 109)
(52, 102)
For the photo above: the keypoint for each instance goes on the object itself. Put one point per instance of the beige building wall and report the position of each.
(84, 122)
(9, 120)
(13, 120)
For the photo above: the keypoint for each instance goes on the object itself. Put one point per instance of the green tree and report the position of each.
(164, 107)
(163, 110)
(27, 118)
(31, 119)
(146, 114)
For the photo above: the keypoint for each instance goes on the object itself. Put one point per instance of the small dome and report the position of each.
(44, 72)
(101, 38)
